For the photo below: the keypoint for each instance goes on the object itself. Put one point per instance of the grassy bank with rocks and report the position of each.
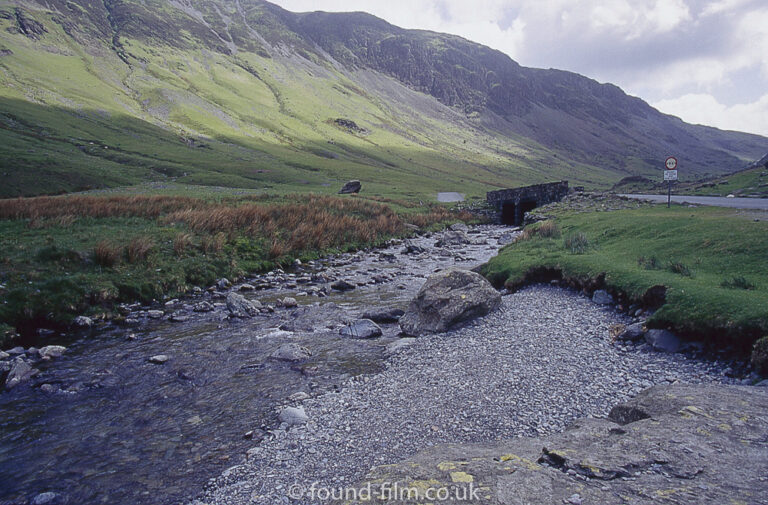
(702, 270)
(81, 254)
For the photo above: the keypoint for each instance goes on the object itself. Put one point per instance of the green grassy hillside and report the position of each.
(243, 94)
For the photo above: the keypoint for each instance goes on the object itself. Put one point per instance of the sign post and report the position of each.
(670, 174)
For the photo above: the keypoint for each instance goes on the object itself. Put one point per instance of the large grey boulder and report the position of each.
(701, 444)
(351, 187)
(20, 373)
(448, 298)
(239, 306)
(664, 341)
(362, 328)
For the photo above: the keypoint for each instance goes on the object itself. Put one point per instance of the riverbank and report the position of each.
(108, 421)
(62, 257)
(545, 358)
(701, 270)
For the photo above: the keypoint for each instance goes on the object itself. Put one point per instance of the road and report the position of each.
(717, 201)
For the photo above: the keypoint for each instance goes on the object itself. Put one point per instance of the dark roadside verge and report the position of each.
(702, 271)
(61, 257)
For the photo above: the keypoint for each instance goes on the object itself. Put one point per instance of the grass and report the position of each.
(204, 118)
(704, 257)
(68, 255)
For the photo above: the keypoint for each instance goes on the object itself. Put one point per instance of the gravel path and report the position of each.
(542, 360)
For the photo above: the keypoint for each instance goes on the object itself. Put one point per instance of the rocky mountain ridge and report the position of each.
(298, 73)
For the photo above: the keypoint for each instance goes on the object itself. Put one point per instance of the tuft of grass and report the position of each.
(549, 229)
(679, 268)
(139, 248)
(576, 243)
(737, 282)
(181, 243)
(106, 254)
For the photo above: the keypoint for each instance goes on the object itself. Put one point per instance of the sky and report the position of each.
(703, 61)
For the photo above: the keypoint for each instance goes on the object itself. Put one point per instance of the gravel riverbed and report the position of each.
(542, 360)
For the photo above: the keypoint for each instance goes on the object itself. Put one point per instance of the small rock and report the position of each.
(178, 317)
(384, 316)
(203, 307)
(399, 345)
(46, 499)
(575, 499)
(291, 352)
(52, 351)
(223, 283)
(362, 328)
(4, 355)
(459, 227)
(289, 302)
(451, 237)
(82, 322)
(159, 359)
(342, 285)
(155, 314)
(299, 396)
(246, 287)
(602, 297)
(664, 341)
(293, 416)
(632, 333)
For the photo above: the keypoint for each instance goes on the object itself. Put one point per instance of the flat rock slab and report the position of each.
(686, 444)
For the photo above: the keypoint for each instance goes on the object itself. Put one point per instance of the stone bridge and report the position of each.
(512, 204)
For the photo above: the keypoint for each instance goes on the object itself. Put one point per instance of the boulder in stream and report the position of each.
(239, 306)
(362, 328)
(20, 373)
(448, 298)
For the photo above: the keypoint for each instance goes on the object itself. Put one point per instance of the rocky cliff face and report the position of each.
(678, 444)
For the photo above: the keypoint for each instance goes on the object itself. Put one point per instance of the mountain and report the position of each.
(241, 93)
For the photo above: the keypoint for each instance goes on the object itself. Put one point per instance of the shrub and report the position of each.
(651, 263)
(760, 356)
(737, 282)
(106, 254)
(679, 268)
(549, 229)
(577, 243)
(139, 248)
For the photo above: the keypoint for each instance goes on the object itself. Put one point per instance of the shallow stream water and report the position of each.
(115, 428)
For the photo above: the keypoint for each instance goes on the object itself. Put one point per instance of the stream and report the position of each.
(103, 424)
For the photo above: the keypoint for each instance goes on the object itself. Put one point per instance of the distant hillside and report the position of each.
(242, 93)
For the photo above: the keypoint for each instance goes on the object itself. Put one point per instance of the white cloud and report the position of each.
(699, 108)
